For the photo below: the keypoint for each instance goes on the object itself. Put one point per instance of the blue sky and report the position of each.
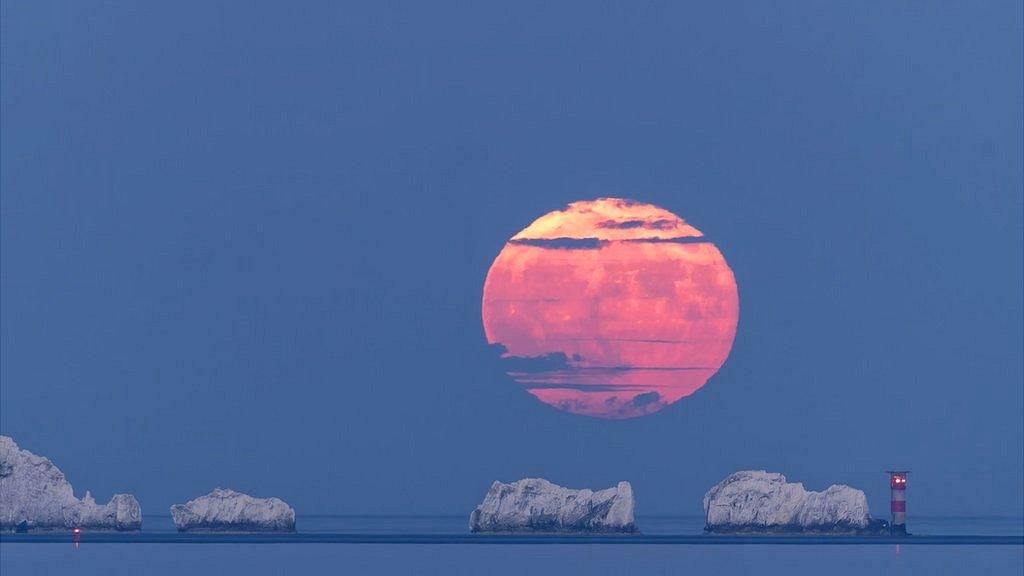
(244, 246)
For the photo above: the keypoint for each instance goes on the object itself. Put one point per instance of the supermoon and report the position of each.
(610, 308)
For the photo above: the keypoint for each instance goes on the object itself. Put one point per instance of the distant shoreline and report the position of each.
(520, 539)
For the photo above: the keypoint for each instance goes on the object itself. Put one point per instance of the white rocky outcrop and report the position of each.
(35, 495)
(229, 511)
(759, 501)
(536, 505)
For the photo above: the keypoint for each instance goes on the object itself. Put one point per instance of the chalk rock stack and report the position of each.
(759, 501)
(536, 505)
(35, 495)
(229, 511)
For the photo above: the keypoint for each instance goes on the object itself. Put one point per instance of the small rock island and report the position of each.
(35, 495)
(755, 501)
(229, 511)
(536, 505)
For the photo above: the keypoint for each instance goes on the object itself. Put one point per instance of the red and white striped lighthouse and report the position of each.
(898, 504)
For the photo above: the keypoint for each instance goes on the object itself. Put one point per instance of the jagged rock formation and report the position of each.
(230, 511)
(536, 505)
(35, 495)
(759, 501)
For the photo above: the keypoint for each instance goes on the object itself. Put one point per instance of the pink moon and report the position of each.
(610, 308)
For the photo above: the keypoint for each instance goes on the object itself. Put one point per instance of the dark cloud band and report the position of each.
(592, 243)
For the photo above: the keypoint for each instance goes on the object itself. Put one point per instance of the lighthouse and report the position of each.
(898, 503)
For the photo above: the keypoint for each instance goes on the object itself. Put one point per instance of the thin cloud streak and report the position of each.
(565, 243)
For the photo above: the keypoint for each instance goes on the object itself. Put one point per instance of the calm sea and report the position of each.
(533, 559)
